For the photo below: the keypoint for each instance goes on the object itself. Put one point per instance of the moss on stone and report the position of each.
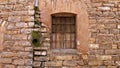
(36, 38)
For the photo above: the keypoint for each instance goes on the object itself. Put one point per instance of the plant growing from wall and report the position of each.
(36, 35)
(36, 38)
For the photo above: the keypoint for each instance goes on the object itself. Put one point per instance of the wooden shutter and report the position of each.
(63, 32)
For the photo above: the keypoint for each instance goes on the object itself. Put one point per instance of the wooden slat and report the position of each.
(63, 29)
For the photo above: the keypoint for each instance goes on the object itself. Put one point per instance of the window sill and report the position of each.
(64, 51)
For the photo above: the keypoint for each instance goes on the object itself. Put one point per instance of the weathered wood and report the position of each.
(63, 32)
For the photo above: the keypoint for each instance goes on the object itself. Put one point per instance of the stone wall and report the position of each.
(17, 15)
(104, 30)
(16, 51)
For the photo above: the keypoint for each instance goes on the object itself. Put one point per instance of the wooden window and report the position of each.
(63, 32)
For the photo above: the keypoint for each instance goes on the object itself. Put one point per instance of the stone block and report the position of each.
(27, 18)
(17, 48)
(92, 57)
(76, 57)
(80, 63)
(19, 7)
(24, 66)
(12, 1)
(30, 24)
(104, 31)
(36, 64)
(104, 8)
(115, 57)
(19, 37)
(118, 38)
(25, 54)
(11, 27)
(21, 25)
(3, 1)
(117, 63)
(2, 7)
(109, 63)
(118, 26)
(105, 38)
(92, 26)
(14, 19)
(111, 67)
(98, 52)
(92, 40)
(85, 57)
(104, 57)
(106, 46)
(19, 13)
(24, 43)
(96, 5)
(69, 63)
(101, 26)
(8, 7)
(41, 53)
(109, 4)
(108, 14)
(114, 31)
(9, 66)
(8, 54)
(94, 46)
(18, 62)
(41, 58)
(26, 31)
(98, 66)
(28, 48)
(98, 1)
(64, 57)
(115, 9)
(43, 30)
(95, 62)
(53, 63)
(112, 52)
(5, 60)
(31, 12)
(114, 46)
(28, 61)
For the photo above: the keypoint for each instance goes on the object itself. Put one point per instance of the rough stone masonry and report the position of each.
(17, 20)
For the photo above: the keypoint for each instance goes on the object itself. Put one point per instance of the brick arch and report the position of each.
(3, 25)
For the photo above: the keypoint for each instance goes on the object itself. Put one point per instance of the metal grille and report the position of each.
(63, 32)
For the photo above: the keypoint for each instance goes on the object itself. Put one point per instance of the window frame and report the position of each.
(75, 31)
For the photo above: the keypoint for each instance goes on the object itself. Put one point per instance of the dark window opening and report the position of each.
(63, 32)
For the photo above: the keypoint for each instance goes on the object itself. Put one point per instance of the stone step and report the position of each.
(39, 52)
(39, 58)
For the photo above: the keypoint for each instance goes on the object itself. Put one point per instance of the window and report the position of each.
(63, 32)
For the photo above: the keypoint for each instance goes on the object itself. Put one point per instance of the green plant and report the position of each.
(36, 38)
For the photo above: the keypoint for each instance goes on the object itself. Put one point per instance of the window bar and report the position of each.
(65, 32)
(70, 33)
(62, 34)
(74, 34)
